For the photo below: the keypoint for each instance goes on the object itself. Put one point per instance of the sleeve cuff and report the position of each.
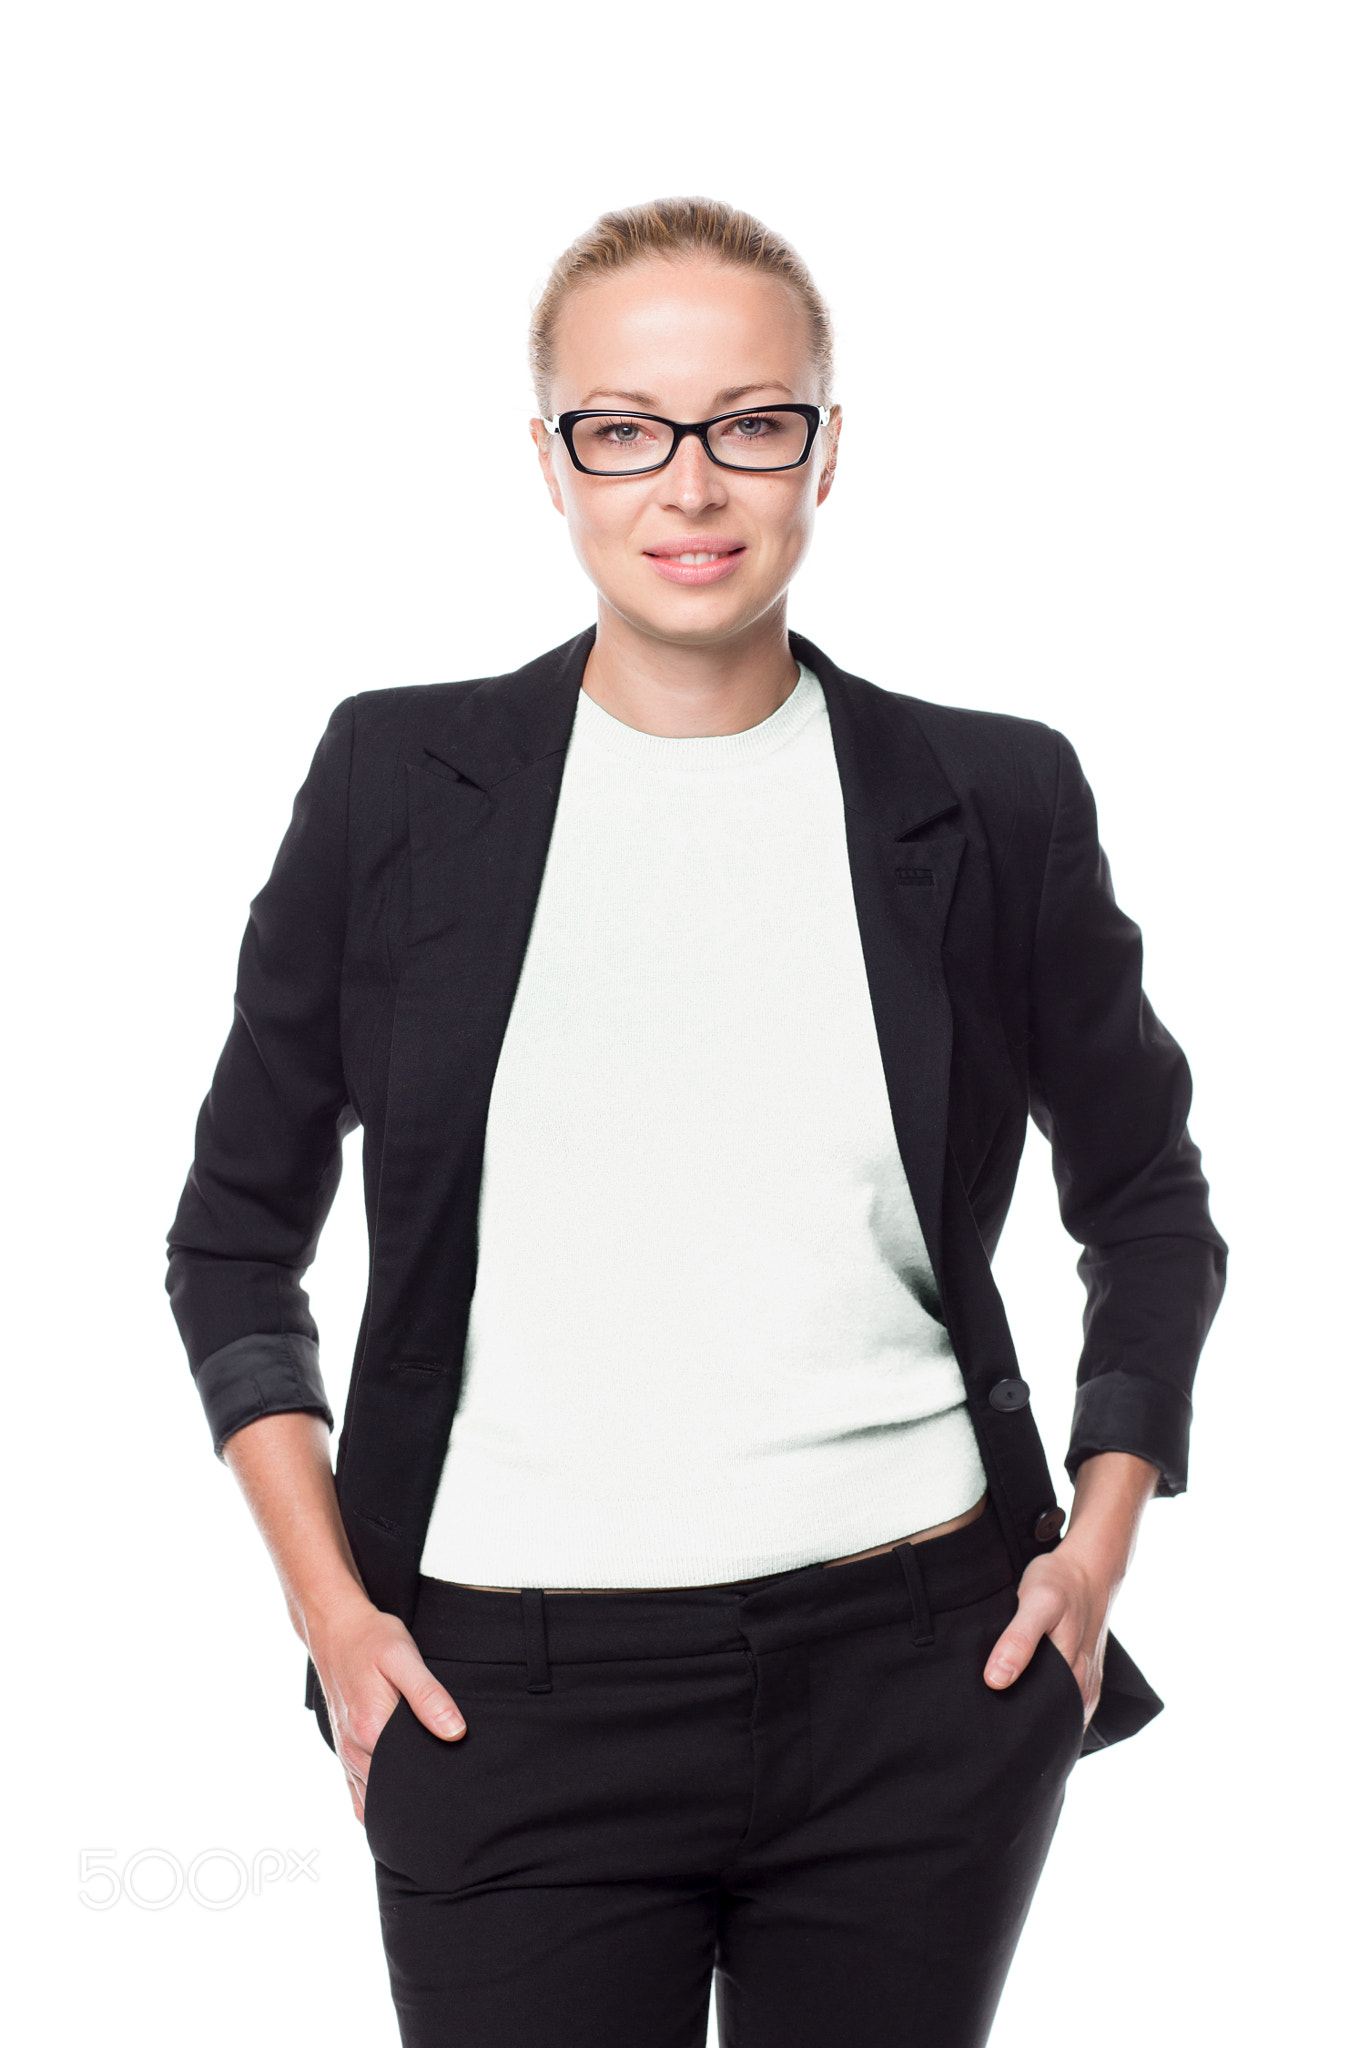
(260, 1375)
(1126, 1411)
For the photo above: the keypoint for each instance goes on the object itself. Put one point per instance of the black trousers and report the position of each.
(800, 1781)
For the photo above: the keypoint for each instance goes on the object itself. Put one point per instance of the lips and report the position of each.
(694, 544)
(696, 558)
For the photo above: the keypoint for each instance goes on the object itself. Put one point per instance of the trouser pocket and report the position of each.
(1073, 1707)
(621, 1766)
(385, 1766)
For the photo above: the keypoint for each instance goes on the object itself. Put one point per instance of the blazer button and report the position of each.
(1049, 1525)
(1009, 1394)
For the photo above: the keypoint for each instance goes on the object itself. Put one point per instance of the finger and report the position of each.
(364, 1725)
(355, 1786)
(425, 1694)
(435, 1709)
(1012, 1651)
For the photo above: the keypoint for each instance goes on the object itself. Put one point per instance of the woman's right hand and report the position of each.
(365, 1659)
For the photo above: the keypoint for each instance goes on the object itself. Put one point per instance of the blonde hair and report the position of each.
(675, 229)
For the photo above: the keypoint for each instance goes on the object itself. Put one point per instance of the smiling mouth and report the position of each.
(693, 567)
(693, 559)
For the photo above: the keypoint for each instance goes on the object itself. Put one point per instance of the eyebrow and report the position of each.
(722, 398)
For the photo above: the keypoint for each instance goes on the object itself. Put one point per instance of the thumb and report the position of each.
(427, 1697)
(1012, 1652)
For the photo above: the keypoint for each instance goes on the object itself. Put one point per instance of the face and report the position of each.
(687, 340)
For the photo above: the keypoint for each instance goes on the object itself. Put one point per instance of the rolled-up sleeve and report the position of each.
(267, 1146)
(1110, 1089)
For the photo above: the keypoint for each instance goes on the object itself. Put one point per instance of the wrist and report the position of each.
(1104, 1550)
(319, 1611)
(1112, 1489)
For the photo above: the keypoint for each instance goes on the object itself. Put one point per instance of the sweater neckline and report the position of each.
(719, 750)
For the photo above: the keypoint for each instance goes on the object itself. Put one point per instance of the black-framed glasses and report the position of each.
(633, 443)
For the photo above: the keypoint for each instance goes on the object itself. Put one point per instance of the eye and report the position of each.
(760, 440)
(625, 432)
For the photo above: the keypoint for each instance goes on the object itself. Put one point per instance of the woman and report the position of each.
(691, 1592)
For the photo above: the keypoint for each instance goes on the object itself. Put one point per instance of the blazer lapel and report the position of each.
(481, 805)
(904, 852)
(906, 849)
(482, 790)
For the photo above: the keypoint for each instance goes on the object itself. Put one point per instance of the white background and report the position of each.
(269, 270)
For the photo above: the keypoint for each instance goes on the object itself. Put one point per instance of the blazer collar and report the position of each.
(886, 766)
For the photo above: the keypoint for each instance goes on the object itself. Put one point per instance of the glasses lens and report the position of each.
(759, 440)
(612, 444)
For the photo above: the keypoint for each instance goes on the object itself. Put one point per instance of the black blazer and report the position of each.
(375, 982)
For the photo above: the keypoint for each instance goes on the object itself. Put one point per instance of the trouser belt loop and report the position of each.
(921, 1614)
(537, 1650)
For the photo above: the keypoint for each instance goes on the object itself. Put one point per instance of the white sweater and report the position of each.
(704, 1341)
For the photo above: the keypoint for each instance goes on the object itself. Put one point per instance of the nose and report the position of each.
(692, 479)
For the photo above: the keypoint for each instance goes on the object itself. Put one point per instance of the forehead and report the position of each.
(680, 332)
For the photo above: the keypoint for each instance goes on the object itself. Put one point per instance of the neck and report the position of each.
(682, 691)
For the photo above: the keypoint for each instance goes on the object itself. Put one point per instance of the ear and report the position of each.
(545, 449)
(832, 427)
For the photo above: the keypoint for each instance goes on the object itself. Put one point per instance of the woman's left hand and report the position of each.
(1067, 1593)
(1066, 1596)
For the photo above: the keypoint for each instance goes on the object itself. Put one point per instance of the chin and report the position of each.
(695, 633)
(698, 617)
